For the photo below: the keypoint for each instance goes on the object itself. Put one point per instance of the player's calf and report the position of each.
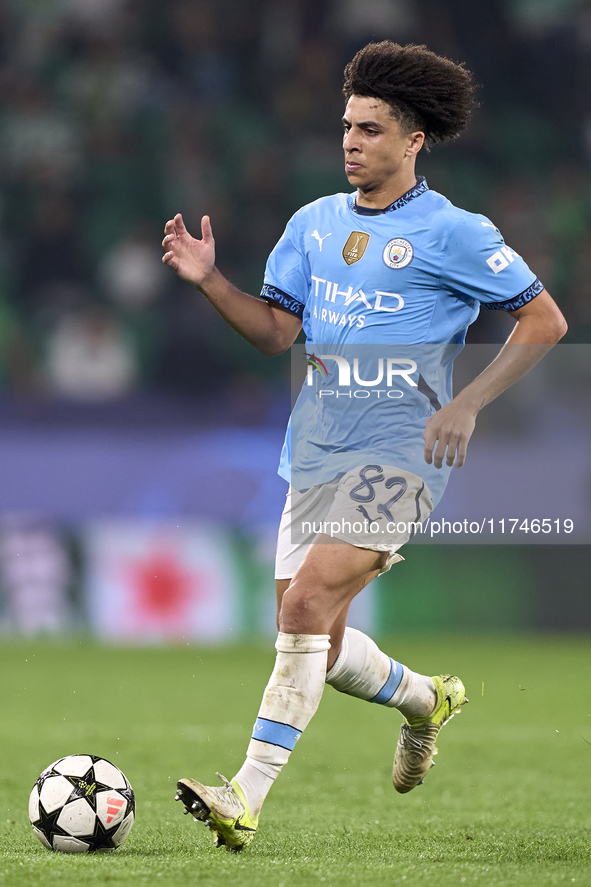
(364, 671)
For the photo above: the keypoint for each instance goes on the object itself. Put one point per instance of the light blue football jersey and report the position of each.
(414, 274)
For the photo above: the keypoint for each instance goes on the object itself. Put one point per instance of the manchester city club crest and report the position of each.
(398, 253)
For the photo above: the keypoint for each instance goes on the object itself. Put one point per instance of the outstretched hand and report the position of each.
(191, 259)
(450, 428)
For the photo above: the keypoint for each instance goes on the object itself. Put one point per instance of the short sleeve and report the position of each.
(287, 275)
(479, 266)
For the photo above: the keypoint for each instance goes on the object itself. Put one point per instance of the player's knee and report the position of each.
(298, 615)
(302, 611)
(310, 607)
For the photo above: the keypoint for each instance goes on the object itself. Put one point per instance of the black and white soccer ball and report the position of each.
(80, 804)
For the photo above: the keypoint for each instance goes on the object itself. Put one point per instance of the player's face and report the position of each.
(377, 151)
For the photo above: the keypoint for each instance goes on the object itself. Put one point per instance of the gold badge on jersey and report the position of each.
(355, 246)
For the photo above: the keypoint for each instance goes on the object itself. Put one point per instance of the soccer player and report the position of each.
(393, 264)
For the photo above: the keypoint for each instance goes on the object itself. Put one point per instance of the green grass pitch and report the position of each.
(509, 802)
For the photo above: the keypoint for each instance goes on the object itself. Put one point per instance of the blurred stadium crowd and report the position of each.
(117, 113)
(114, 115)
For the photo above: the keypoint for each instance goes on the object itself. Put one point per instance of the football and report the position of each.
(82, 804)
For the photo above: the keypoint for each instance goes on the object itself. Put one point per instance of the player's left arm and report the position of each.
(540, 324)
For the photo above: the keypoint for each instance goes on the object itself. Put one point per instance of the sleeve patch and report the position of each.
(284, 300)
(517, 301)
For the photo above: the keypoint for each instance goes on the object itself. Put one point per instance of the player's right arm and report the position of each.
(480, 266)
(269, 328)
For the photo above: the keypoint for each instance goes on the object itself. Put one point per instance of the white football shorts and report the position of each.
(374, 506)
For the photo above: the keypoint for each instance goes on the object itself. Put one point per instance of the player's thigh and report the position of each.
(338, 568)
(324, 585)
(333, 564)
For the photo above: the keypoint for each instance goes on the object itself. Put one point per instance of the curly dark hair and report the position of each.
(425, 91)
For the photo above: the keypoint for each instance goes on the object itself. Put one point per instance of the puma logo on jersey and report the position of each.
(319, 238)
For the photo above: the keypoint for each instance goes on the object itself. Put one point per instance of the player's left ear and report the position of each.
(416, 140)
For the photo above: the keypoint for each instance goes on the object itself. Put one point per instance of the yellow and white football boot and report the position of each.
(224, 810)
(416, 744)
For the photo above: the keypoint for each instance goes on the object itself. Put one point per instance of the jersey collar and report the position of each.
(420, 188)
